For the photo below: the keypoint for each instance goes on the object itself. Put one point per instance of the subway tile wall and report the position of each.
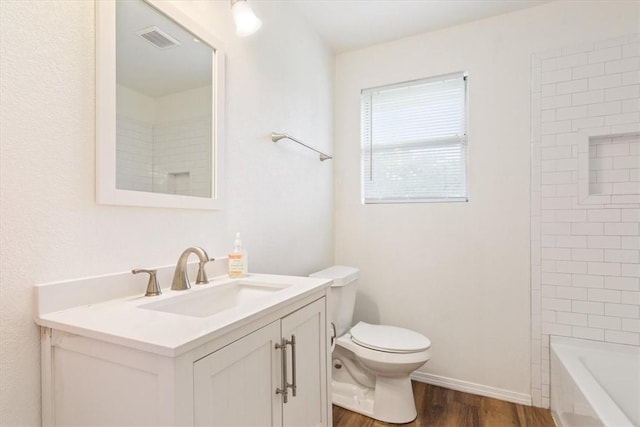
(134, 154)
(182, 157)
(173, 157)
(585, 248)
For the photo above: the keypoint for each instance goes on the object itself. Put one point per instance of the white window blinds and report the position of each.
(414, 140)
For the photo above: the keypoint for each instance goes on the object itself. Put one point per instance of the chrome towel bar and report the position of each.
(275, 137)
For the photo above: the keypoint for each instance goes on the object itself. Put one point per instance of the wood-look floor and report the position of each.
(441, 407)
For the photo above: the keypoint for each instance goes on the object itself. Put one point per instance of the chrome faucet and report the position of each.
(180, 277)
(153, 287)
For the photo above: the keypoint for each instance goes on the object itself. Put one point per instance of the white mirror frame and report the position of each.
(106, 191)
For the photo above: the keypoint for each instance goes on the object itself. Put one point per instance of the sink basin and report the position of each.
(214, 300)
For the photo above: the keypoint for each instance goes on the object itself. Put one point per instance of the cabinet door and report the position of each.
(235, 386)
(309, 406)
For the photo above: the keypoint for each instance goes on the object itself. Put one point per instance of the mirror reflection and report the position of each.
(163, 104)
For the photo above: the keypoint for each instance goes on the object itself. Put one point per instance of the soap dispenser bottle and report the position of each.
(238, 259)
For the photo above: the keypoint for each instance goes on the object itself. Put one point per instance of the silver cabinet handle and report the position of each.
(294, 386)
(284, 390)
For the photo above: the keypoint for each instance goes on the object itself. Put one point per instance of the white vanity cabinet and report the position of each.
(237, 384)
(228, 377)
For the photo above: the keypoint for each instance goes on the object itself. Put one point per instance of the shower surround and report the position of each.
(585, 198)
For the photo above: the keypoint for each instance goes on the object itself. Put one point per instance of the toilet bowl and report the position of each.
(372, 364)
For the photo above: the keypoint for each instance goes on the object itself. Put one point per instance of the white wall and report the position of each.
(279, 196)
(135, 105)
(183, 105)
(459, 272)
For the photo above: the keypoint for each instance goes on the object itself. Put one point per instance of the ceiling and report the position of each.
(343, 24)
(352, 24)
(151, 71)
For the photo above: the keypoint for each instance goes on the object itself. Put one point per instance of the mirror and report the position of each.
(159, 107)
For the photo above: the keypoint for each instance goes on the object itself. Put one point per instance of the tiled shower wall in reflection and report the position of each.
(134, 154)
(173, 157)
(585, 198)
(182, 157)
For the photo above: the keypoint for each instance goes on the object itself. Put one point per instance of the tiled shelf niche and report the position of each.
(609, 168)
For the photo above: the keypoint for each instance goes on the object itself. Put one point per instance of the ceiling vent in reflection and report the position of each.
(158, 38)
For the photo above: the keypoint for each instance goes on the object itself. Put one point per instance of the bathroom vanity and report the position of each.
(252, 351)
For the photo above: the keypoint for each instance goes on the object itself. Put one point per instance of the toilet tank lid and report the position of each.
(340, 274)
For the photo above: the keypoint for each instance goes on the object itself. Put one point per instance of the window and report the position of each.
(414, 141)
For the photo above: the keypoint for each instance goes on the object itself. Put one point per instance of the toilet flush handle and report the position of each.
(333, 336)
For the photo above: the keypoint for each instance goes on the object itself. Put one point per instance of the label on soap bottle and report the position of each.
(236, 265)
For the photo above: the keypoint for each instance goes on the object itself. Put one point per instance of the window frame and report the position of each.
(458, 140)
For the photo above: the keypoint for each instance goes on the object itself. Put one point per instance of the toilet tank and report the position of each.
(343, 295)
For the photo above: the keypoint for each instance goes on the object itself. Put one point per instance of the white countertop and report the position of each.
(121, 320)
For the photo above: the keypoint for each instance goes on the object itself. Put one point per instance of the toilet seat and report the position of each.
(389, 339)
(371, 355)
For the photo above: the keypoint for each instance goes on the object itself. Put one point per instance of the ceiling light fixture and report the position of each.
(246, 21)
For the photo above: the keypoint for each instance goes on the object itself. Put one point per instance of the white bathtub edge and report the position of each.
(563, 348)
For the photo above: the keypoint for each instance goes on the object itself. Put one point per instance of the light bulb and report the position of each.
(246, 21)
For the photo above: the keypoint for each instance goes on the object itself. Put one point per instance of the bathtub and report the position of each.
(594, 383)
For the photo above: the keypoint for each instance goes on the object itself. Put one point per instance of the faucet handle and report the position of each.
(153, 288)
(201, 278)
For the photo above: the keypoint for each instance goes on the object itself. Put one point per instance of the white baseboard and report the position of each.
(473, 388)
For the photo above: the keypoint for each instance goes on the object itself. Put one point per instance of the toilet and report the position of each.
(372, 364)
